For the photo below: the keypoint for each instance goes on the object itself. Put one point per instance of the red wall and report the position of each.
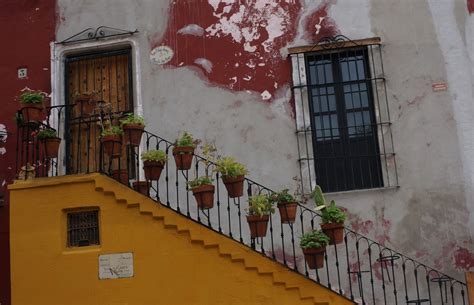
(28, 27)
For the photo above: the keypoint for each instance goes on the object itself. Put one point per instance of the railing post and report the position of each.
(470, 287)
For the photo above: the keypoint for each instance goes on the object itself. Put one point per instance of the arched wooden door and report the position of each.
(109, 76)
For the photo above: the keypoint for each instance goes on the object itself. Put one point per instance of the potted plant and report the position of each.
(203, 191)
(133, 126)
(259, 210)
(141, 186)
(111, 139)
(153, 163)
(121, 175)
(183, 151)
(50, 142)
(86, 102)
(286, 204)
(314, 245)
(233, 175)
(32, 105)
(332, 217)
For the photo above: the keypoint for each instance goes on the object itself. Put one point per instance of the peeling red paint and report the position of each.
(319, 24)
(463, 259)
(362, 227)
(238, 46)
(470, 6)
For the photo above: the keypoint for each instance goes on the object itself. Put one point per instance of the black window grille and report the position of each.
(83, 228)
(343, 128)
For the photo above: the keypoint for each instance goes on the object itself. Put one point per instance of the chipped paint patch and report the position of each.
(463, 259)
(161, 55)
(204, 63)
(191, 29)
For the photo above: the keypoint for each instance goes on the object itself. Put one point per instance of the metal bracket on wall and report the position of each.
(95, 34)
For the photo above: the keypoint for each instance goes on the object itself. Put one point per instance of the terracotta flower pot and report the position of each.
(153, 169)
(258, 225)
(132, 134)
(204, 195)
(32, 112)
(234, 186)
(314, 257)
(85, 104)
(112, 145)
(120, 175)
(335, 231)
(287, 211)
(183, 156)
(141, 186)
(51, 147)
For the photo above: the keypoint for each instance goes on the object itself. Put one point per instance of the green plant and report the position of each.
(186, 140)
(260, 205)
(282, 197)
(112, 131)
(47, 133)
(130, 118)
(155, 155)
(203, 180)
(32, 97)
(314, 239)
(228, 167)
(330, 212)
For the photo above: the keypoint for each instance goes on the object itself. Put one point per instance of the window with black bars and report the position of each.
(83, 228)
(342, 118)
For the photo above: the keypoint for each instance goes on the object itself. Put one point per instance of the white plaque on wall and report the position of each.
(115, 266)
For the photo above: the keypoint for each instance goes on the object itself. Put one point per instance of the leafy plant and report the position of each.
(186, 140)
(260, 205)
(32, 97)
(282, 197)
(203, 180)
(131, 118)
(112, 131)
(155, 155)
(47, 133)
(314, 239)
(330, 212)
(228, 167)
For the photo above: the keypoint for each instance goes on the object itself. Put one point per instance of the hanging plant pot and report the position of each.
(287, 211)
(183, 156)
(258, 225)
(133, 133)
(335, 231)
(314, 257)
(153, 169)
(234, 185)
(112, 145)
(142, 187)
(85, 104)
(121, 175)
(51, 147)
(32, 112)
(204, 196)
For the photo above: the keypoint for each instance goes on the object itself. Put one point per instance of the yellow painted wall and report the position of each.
(175, 260)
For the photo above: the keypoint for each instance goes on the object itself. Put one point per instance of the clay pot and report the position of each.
(51, 147)
(287, 211)
(183, 156)
(314, 257)
(120, 175)
(112, 145)
(142, 187)
(133, 134)
(85, 104)
(234, 186)
(32, 112)
(153, 169)
(204, 195)
(258, 225)
(335, 231)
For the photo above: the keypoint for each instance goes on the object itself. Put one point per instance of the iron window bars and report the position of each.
(342, 116)
(83, 228)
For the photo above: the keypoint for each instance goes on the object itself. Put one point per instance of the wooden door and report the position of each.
(108, 76)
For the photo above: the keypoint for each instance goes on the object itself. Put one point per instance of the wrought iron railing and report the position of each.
(360, 268)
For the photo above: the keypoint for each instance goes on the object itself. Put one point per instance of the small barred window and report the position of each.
(83, 228)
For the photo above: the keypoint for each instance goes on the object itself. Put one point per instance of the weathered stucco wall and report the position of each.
(228, 82)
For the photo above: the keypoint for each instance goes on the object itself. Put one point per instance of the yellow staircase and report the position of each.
(176, 260)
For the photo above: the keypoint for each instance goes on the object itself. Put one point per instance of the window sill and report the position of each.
(377, 189)
(82, 250)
